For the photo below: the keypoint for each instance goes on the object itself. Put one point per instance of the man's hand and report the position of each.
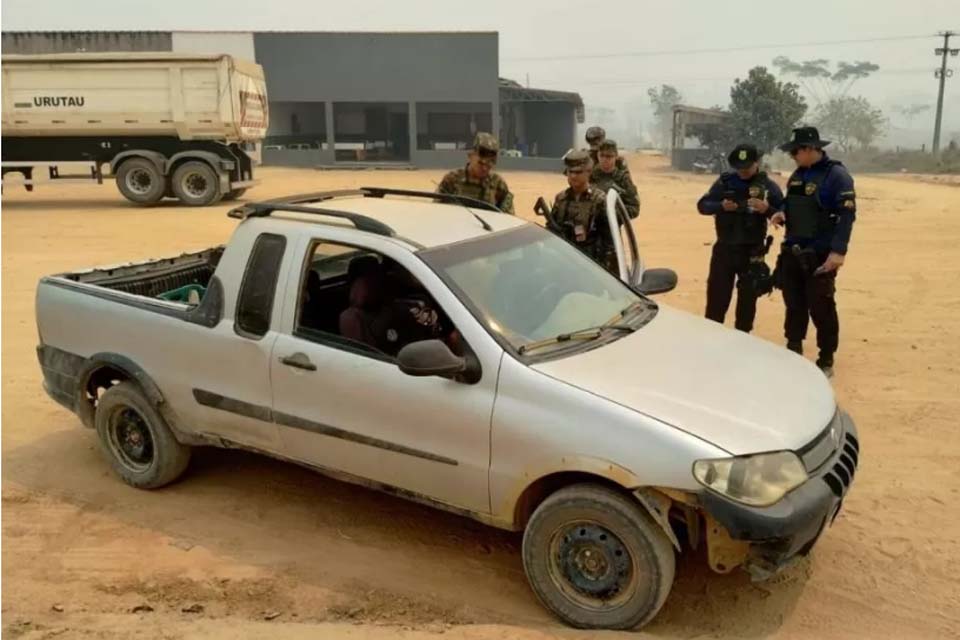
(758, 205)
(728, 205)
(778, 219)
(833, 262)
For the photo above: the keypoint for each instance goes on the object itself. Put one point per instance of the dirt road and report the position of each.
(245, 547)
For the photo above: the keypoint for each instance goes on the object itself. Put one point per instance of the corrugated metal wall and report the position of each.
(85, 41)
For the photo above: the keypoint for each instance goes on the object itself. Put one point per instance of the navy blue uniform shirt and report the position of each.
(710, 203)
(837, 196)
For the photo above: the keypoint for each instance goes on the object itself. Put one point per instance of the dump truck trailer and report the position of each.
(183, 126)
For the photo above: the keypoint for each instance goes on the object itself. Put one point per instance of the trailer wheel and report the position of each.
(233, 194)
(195, 183)
(140, 181)
(595, 559)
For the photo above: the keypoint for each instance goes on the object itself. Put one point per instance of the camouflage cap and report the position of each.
(595, 135)
(577, 159)
(607, 145)
(486, 142)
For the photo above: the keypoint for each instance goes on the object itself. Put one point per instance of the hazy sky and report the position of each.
(556, 32)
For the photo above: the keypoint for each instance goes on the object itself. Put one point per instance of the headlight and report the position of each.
(758, 480)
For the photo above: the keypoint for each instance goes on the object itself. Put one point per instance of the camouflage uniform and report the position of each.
(581, 218)
(619, 178)
(492, 189)
(596, 136)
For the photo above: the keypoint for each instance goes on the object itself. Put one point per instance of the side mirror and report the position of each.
(657, 281)
(430, 358)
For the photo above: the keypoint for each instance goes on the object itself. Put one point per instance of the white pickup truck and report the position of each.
(431, 347)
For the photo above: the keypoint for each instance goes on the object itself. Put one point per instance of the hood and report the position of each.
(740, 393)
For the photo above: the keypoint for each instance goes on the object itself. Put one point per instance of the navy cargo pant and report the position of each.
(728, 263)
(809, 296)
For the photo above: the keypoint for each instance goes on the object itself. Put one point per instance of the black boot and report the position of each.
(796, 346)
(825, 362)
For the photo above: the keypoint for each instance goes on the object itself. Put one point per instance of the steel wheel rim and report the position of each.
(139, 181)
(130, 439)
(592, 566)
(195, 184)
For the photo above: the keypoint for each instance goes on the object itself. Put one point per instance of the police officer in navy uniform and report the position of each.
(819, 212)
(740, 201)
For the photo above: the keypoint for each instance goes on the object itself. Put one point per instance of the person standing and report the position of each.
(608, 174)
(819, 213)
(579, 212)
(740, 201)
(477, 179)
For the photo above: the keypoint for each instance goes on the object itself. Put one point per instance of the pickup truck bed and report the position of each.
(156, 277)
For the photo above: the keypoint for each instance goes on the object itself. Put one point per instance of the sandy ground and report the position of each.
(245, 547)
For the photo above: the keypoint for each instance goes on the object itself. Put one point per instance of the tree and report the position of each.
(763, 110)
(850, 121)
(822, 84)
(663, 101)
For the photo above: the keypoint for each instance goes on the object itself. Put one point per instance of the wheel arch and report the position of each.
(103, 370)
(158, 159)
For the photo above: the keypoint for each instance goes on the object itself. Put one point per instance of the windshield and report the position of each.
(529, 285)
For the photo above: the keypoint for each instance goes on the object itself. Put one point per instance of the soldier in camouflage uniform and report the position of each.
(596, 135)
(477, 180)
(607, 175)
(579, 213)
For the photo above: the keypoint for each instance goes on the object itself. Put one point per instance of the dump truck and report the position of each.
(164, 125)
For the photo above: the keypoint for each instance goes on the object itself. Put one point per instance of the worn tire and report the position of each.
(638, 557)
(126, 419)
(195, 183)
(234, 194)
(140, 181)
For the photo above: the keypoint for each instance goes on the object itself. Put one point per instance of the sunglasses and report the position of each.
(794, 152)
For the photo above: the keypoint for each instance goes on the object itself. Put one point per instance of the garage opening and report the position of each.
(371, 132)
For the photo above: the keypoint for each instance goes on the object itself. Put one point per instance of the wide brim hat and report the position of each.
(804, 137)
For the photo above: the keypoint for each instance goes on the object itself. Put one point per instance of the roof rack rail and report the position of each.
(264, 209)
(297, 204)
(379, 192)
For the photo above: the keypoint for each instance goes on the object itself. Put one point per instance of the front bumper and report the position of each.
(778, 534)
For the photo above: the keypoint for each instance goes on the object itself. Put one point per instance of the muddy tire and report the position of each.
(136, 440)
(141, 182)
(196, 184)
(234, 194)
(596, 559)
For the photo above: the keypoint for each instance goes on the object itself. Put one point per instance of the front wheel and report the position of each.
(596, 560)
(136, 440)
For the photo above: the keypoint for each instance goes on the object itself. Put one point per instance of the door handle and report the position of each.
(300, 361)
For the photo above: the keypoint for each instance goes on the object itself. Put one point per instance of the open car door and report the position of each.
(630, 263)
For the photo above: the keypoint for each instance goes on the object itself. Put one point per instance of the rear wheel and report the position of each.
(596, 560)
(140, 181)
(195, 183)
(136, 440)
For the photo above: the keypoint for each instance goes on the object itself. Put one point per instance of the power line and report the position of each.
(684, 52)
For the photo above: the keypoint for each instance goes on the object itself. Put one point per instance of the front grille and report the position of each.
(841, 475)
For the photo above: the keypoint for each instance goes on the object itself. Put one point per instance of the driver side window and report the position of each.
(363, 301)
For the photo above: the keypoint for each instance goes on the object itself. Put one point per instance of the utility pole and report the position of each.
(943, 73)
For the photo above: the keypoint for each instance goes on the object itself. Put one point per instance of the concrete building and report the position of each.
(369, 98)
(686, 120)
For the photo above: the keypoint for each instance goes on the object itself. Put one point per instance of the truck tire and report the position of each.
(140, 181)
(196, 184)
(233, 194)
(596, 559)
(136, 440)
